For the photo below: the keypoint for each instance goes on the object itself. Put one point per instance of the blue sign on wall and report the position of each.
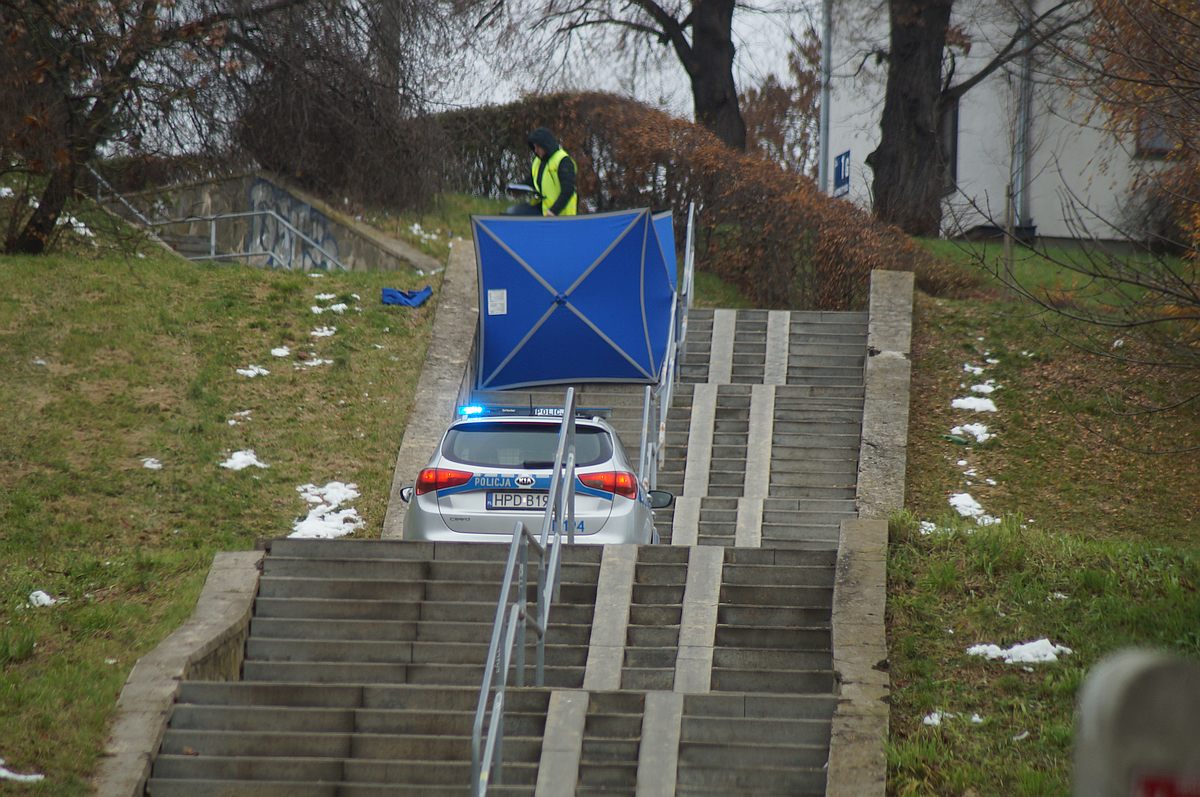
(841, 174)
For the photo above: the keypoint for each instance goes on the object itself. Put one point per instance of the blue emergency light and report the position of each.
(480, 411)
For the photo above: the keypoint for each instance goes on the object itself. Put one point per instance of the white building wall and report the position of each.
(1076, 167)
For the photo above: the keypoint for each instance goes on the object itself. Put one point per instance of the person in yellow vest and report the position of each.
(553, 176)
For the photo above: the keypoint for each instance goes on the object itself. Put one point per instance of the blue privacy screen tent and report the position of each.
(574, 299)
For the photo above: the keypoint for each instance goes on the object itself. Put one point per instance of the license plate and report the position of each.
(525, 500)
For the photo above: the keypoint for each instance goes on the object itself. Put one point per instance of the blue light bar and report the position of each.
(473, 409)
(479, 410)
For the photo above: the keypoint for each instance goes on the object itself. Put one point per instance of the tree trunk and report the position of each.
(714, 94)
(908, 164)
(35, 235)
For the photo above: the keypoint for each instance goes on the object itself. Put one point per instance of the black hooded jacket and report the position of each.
(566, 168)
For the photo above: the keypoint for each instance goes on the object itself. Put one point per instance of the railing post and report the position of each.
(212, 237)
(524, 586)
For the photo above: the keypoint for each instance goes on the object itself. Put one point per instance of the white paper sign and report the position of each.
(497, 301)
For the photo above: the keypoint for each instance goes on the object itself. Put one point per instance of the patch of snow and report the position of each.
(969, 472)
(110, 662)
(38, 599)
(928, 527)
(961, 462)
(150, 463)
(244, 415)
(974, 370)
(280, 351)
(987, 388)
(1059, 596)
(1022, 736)
(240, 460)
(338, 308)
(325, 520)
(313, 363)
(974, 404)
(325, 297)
(1039, 651)
(967, 506)
(315, 274)
(8, 774)
(934, 718)
(324, 332)
(253, 371)
(977, 430)
(1118, 343)
(356, 297)
(317, 310)
(976, 719)
(6, 192)
(992, 361)
(990, 482)
(376, 345)
(40, 361)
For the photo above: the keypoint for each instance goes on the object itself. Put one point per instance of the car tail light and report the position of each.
(618, 482)
(432, 479)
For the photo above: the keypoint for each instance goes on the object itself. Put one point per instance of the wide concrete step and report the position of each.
(442, 699)
(742, 659)
(472, 571)
(751, 706)
(773, 638)
(307, 650)
(759, 780)
(757, 679)
(777, 575)
(158, 787)
(788, 616)
(754, 595)
(729, 753)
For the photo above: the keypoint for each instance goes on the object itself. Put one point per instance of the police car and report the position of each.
(492, 468)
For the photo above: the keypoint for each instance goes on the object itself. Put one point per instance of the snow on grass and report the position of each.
(928, 527)
(8, 774)
(311, 363)
(40, 361)
(6, 192)
(973, 370)
(977, 430)
(253, 371)
(338, 308)
(968, 507)
(280, 351)
(934, 718)
(986, 388)
(325, 521)
(150, 463)
(238, 417)
(324, 332)
(974, 403)
(1038, 652)
(240, 460)
(316, 274)
(38, 599)
(325, 297)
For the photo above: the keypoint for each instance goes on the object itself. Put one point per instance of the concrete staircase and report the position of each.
(703, 666)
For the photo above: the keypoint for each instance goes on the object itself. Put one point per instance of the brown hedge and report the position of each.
(769, 231)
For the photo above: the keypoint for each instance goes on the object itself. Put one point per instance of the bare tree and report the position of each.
(89, 75)
(699, 33)
(922, 82)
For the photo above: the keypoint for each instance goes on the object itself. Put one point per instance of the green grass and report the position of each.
(106, 358)
(712, 291)
(450, 217)
(1086, 516)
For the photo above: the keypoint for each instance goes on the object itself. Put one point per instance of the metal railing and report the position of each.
(657, 399)
(289, 257)
(512, 616)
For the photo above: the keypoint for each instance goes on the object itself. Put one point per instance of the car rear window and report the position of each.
(522, 445)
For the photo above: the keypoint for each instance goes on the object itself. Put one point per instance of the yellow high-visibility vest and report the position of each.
(551, 187)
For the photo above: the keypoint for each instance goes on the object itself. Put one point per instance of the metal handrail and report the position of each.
(508, 630)
(212, 234)
(100, 181)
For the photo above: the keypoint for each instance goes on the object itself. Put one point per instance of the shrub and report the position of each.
(766, 229)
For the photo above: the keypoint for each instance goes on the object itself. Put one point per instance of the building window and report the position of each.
(1154, 139)
(948, 138)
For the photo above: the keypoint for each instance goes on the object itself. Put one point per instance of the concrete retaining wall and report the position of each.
(857, 762)
(356, 246)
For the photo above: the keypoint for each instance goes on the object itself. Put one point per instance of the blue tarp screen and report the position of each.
(574, 299)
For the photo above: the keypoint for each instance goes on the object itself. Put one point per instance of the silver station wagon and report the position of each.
(491, 470)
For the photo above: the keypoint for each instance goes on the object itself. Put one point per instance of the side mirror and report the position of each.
(661, 499)
(406, 493)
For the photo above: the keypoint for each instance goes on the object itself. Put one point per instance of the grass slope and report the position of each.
(106, 359)
(1099, 547)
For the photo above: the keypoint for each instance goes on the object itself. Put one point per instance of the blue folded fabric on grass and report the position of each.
(407, 298)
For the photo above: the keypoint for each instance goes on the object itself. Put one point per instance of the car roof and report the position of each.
(595, 422)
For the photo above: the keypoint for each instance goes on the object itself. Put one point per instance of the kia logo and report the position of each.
(525, 480)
